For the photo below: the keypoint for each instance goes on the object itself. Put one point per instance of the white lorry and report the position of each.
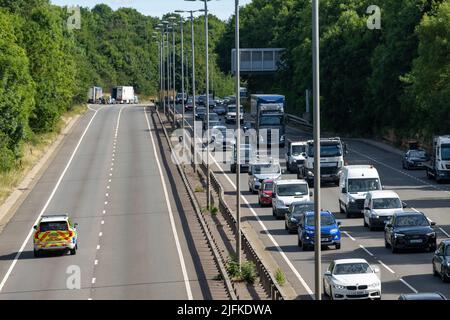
(123, 94)
(295, 155)
(439, 165)
(95, 94)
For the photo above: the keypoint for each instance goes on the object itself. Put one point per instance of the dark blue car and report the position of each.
(329, 230)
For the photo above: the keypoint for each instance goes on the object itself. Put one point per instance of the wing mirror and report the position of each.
(327, 274)
(366, 208)
(375, 269)
(339, 223)
(404, 205)
(344, 190)
(35, 227)
(283, 171)
(273, 195)
(388, 225)
(437, 253)
(310, 193)
(433, 223)
(75, 225)
(288, 154)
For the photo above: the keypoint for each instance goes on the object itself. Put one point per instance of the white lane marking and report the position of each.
(89, 299)
(103, 222)
(348, 235)
(442, 230)
(98, 247)
(408, 285)
(275, 243)
(368, 252)
(16, 258)
(385, 266)
(172, 220)
(106, 202)
(96, 262)
(93, 280)
(104, 211)
(107, 195)
(110, 174)
(108, 187)
(109, 180)
(100, 234)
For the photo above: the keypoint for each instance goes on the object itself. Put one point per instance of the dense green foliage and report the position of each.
(47, 68)
(372, 81)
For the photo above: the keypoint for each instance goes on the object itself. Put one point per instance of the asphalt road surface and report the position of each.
(108, 177)
(400, 273)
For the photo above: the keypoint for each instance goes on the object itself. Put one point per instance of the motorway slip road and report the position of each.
(108, 177)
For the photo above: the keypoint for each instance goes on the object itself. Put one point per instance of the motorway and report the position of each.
(400, 273)
(108, 176)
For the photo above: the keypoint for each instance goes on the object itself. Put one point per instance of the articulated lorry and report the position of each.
(95, 94)
(267, 113)
(123, 94)
(439, 165)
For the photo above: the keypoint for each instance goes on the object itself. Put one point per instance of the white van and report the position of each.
(379, 207)
(287, 191)
(354, 183)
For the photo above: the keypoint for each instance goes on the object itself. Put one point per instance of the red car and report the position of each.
(265, 193)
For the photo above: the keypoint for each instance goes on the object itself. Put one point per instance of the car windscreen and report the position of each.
(297, 150)
(53, 226)
(417, 154)
(387, 203)
(291, 190)
(363, 185)
(334, 150)
(302, 208)
(266, 169)
(213, 117)
(352, 268)
(411, 221)
(445, 152)
(325, 220)
(268, 186)
(273, 120)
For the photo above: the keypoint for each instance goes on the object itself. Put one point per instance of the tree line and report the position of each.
(393, 81)
(47, 68)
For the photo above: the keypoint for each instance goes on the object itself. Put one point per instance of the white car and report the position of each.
(379, 207)
(286, 192)
(230, 116)
(260, 171)
(352, 279)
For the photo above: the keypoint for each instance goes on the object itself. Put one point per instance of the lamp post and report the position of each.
(155, 36)
(238, 137)
(208, 182)
(166, 64)
(316, 95)
(173, 25)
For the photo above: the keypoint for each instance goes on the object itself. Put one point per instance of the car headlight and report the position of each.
(334, 230)
(310, 173)
(282, 138)
(255, 179)
(339, 286)
(373, 215)
(280, 203)
(352, 200)
(431, 234)
(293, 220)
(398, 235)
(374, 285)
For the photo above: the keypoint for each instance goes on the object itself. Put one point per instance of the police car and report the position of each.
(55, 233)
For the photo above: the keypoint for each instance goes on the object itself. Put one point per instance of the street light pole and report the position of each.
(316, 94)
(208, 182)
(238, 139)
(174, 67)
(168, 71)
(193, 88)
(182, 85)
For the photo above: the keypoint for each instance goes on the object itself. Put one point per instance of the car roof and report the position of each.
(423, 296)
(291, 181)
(341, 261)
(378, 194)
(55, 217)
(295, 143)
(361, 171)
(409, 213)
(322, 213)
(298, 203)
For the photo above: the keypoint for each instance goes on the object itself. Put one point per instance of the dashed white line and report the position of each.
(98, 247)
(386, 267)
(96, 262)
(100, 234)
(16, 258)
(367, 251)
(348, 235)
(93, 280)
(408, 285)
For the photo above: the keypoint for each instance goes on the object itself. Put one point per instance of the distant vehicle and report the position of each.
(295, 212)
(220, 109)
(422, 296)
(55, 233)
(267, 113)
(330, 235)
(221, 138)
(229, 100)
(331, 161)
(351, 279)
(260, 171)
(189, 105)
(295, 155)
(202, 100)
(200, 113)
(243, 93)
(441, 261)
(379, 207)
(179, 98)
(231, 114)
(136, 100)
(265, 193)
(439, 165)
(287, 191)
(414, 159)
(246, 156)
(409, 230)
(355, 182)
(123, 94)
(95, 95)
(214, 120)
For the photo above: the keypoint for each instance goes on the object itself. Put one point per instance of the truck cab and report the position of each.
(439, 165)
(246, 156)
(295, 155)
(331, 161)
(261, 170)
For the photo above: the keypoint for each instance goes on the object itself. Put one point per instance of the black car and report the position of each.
(220, 109)
(200, 113)
(295, 211)
(409, 230)
(423, 296)
(441, 261)
(414, 159)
